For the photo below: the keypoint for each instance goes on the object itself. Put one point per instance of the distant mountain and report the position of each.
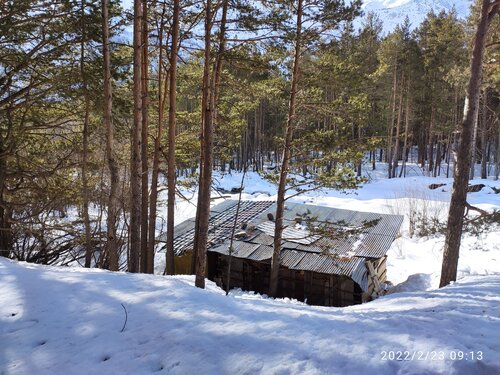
(393, 12)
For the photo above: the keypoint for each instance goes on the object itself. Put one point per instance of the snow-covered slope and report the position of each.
(393, 12)
(69, 321)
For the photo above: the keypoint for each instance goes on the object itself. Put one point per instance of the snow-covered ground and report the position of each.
(70, 320)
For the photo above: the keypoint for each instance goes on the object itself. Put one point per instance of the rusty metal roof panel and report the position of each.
(347, 252)
(263, 252)
(388, 226)
(221, 222)
(310, 248)
(338, 265)
(373, 246)
(290, 258)
(263, 239)
(221, 248)
(289, 245)
(290, 233)
(295, 211)
(365, 217)
(336, 246)
(241, 249)
(310, 262)
(340, 216)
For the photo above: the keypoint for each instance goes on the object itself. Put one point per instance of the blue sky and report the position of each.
(127, 3)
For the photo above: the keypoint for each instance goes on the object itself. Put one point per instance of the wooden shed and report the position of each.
(329, 256)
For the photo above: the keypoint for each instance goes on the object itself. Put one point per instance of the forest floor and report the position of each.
(57, 320)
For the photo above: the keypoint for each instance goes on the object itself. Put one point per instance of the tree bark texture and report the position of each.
(85, 143)
(171, 140)
(153, 198)
(113, 202)
(203, 209)
(287, 153)
(459, 194)
(144, 142)
(135, 162)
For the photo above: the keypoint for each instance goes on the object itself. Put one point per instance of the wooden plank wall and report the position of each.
(311, 287)
(380, 266)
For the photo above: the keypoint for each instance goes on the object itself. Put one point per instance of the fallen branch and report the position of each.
(472, 208)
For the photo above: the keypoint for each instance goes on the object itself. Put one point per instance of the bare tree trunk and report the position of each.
(497, 154)
(459, 194)
(144, 142)
(287, 153)
(407, 132)
(203, 209)
(113, 203)
(398, 131)
(484, 135)
(153, 198)
(437, 163)
(390, 125)
(430, 151)
(473, 152)
(210, 113)
(85, 142)
(5, 223)
(136, 147)
(171, 141)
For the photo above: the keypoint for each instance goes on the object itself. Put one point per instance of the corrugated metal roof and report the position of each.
(310, 262)
(263, 239)
(389, 225)
(290, 258)
(343, 254)
(263, 252)
(374, 246)
(223, 206)
(221, 223)
(301, 236)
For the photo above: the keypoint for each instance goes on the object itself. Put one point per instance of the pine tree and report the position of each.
(459, 195)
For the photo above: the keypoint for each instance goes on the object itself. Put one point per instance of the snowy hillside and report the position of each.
(69, 321)
(393, 12)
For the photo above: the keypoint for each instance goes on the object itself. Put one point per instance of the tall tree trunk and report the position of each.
(459, 194)
(497, 154)
(113, 203)
(85, 142)
(5, 216)
(144, 142)
(162, 95)
(484, 135)
(210, 113)
(437, 163)
(430, 150)
(287, 153)
(395, 154)
(402, 172)
(171, 141)
(473, 151)
(136, 147)
(390, 126)
(203, 208)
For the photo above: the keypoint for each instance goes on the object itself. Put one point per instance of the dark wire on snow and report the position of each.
(126, 317)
